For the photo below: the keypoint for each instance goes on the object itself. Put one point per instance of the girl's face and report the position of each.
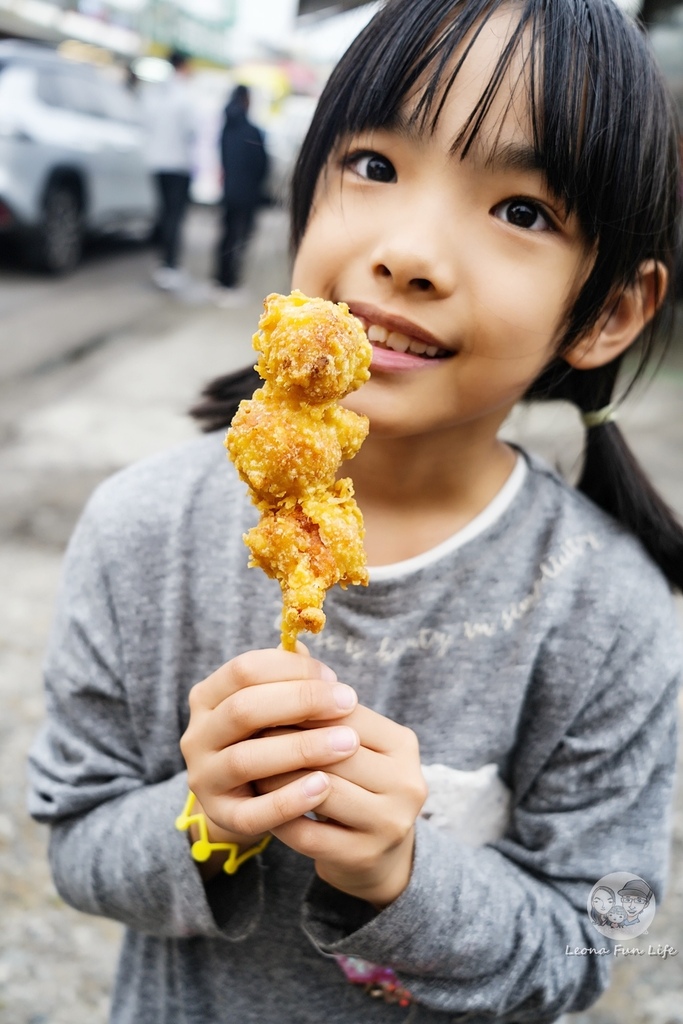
(470, 264)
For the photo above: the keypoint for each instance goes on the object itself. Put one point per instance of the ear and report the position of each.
(634, 307)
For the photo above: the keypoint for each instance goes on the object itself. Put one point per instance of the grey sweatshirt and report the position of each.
(545, 645)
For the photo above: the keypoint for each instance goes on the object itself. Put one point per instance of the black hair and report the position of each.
(178, 59)
(221, 396)
(237, 105)
(604, 130)
(240, 95)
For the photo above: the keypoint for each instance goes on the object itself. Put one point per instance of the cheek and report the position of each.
(318, 259)
(529, 297)
(307, 262)
(302, 276)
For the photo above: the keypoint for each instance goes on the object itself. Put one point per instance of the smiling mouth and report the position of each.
(382, 337)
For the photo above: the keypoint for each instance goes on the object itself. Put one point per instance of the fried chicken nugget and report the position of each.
(288, 442)
(289, 449)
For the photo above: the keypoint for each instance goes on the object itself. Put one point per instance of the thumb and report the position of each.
(299, 649)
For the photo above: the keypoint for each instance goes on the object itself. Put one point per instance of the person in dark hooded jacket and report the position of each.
(245, 165)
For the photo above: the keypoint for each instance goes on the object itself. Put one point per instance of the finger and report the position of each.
(273, 782)
(366, 790)
(354, 807)
(309, 835)
(354, 810)
(275, 755)
(373, 772)
(345, 804)
(257, 814)
(381, 734)
(255, 667)
(366, 769)
(256, 708)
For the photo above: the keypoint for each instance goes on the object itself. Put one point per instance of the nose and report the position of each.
(414, 256)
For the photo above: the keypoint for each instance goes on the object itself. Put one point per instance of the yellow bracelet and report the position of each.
(202, 849)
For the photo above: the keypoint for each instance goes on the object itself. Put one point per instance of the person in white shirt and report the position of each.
(170, 135)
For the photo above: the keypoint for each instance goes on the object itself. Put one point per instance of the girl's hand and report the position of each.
(365, 847)
(225, 754)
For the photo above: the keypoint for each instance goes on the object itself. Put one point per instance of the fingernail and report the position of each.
(314, 785)
(342, 738)
(327, 674)
(344, 696)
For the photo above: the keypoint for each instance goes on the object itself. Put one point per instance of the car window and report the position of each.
(47, 90)
(71, 90)
(117, 103)
(82, 93)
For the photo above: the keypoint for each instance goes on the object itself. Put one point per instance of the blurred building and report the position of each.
(111, 26)
(208, 29)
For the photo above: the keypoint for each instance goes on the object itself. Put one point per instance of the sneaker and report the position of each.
(231, 298)
(169, 279)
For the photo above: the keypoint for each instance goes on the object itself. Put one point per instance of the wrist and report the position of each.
(216, 834)
(213, 848)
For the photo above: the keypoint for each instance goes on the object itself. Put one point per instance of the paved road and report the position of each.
(67, 425)
(44, 320)
(47, 320)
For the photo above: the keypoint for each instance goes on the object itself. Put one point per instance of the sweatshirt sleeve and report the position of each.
(492, 932)
(114, 849)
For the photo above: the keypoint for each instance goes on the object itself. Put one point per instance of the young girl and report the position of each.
(487, 730)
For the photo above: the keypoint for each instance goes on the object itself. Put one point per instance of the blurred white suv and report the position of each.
(71, 156)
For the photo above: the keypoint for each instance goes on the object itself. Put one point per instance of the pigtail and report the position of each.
(611, 475)
(221, 397)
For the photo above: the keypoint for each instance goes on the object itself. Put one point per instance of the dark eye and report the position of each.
(372, 166)
(523, 213)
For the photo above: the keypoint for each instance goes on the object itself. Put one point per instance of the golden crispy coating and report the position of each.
(287, 443)
(312, 350)
(288, 448)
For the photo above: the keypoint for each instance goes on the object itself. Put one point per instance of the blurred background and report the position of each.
(98, 365)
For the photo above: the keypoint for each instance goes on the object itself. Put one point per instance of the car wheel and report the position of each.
(57, 243)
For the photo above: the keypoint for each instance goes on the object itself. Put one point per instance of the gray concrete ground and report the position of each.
(58, 437)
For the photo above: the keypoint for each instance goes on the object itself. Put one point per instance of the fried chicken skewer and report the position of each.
(288, 442)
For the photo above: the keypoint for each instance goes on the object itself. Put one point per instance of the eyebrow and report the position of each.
(515, 155)
(504, 156)
(507, 156)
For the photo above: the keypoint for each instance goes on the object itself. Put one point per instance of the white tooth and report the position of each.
(417, 347)
(377, 333)
(399, 342)
(364, 323)
(432, 350)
